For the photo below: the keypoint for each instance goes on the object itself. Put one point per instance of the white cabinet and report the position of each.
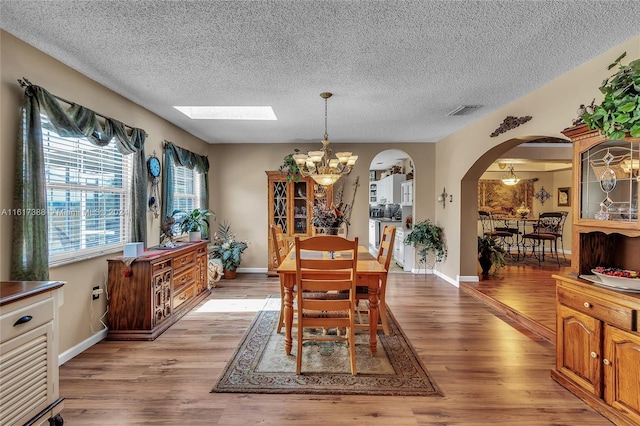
(373, 192)
(403, 254)
(398, 248)
(389, 189)
(374, 234)
(29, 352)
(406, 189)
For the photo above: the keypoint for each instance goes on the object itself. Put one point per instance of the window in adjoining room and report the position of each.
(88, 191)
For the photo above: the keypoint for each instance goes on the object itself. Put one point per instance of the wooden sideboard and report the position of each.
(598, 329)
(29, 352)
(154, 291)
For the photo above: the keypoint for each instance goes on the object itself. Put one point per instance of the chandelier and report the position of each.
(319, 165)
(510, 178)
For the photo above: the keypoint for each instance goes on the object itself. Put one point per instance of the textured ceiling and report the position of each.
(396, 68)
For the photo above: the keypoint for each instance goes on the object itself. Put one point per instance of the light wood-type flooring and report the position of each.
(491, 369)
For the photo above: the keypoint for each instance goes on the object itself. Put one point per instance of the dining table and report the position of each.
(369, 273)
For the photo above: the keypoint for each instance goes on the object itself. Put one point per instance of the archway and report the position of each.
(391, 199)
(469, 188)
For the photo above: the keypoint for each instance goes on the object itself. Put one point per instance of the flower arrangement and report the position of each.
(226, 248)
(325, 216)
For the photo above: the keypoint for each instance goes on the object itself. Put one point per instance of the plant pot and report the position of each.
(229, 275)
(485, 264)
(195, 236)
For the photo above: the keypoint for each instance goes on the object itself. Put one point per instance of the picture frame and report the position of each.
(564, 197)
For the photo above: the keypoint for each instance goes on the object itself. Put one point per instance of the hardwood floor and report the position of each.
(490, 369)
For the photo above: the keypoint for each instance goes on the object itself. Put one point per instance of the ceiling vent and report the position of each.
(464, 110)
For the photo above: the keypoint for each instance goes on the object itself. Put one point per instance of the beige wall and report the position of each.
(20, 60)
(239, 188)
(465, 155)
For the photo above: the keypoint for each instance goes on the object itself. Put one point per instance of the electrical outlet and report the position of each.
(95, 294)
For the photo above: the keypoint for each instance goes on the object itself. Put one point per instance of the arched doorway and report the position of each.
(525, 152)
(391, 193)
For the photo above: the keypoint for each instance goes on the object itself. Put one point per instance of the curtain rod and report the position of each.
(26, 83)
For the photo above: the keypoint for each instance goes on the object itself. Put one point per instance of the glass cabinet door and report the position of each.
(610, 180)
(300, 208)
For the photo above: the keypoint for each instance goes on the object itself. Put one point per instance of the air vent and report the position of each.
(464, 109)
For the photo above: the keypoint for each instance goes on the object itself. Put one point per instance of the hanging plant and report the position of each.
(290, 166)
(619, 112)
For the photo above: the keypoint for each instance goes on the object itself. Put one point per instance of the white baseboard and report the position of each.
(82, 346)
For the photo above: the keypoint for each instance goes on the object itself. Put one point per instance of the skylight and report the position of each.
(228, 112)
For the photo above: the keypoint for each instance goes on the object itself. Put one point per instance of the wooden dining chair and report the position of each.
(385, 253)
(280, 248)
(326, 290)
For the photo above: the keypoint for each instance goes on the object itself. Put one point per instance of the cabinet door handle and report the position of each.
(587, 304)
(23, 320)
(606, 362)
(594, 355)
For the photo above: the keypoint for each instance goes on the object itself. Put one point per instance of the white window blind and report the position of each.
(88, 194)
(186, 192)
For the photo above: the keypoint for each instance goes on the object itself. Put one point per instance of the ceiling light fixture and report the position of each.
(319, 165)
(510, 179)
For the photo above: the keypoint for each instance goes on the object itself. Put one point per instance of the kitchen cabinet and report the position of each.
(289, 205)
(403, 254)
(389, 190)
(374, 234)
(29, 352)
(406, 189)
(597, 335)
(373, 192)
(154, 291)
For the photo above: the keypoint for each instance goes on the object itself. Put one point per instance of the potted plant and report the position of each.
(428, 237)
(226, 248)
(490, 254)
(290, 166)
(195, 223)
(619, 112)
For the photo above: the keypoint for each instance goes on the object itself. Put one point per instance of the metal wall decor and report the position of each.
(442, 198)
(509, 123)
(542, 195)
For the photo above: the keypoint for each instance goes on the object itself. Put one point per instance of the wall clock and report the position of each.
(153, 165)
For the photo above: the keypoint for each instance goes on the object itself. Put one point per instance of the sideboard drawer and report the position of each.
(161, 266)
(183, 296)
(185, 260)
(20, 321)
(609, 312)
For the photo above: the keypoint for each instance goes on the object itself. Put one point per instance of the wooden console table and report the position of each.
(150, 293)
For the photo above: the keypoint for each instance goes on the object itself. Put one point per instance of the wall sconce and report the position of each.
(443, 198)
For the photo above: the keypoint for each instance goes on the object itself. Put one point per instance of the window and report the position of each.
(186, 192)
(88, 191)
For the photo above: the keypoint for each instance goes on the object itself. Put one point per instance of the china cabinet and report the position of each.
(29, 352)
(289, 205)
(598, 334)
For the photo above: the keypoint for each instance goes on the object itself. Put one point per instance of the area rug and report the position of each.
(260, 365)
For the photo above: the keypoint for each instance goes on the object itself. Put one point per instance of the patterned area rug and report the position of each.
(260, 365)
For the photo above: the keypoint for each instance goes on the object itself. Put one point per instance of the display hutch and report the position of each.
(598, 327)
(289, 203)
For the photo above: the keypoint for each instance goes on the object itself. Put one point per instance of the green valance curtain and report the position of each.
(30, 257)
(176, 156)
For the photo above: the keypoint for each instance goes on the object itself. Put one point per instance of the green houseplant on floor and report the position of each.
(427, 238)
(226, 248)
(490, 254)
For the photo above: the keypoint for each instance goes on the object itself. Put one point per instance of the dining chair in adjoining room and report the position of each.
(560, 233)
(504, 236)
(546, 229)
(280, 248)
(385, 253)
(326, 267)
